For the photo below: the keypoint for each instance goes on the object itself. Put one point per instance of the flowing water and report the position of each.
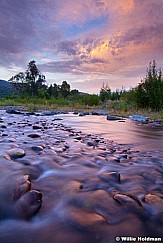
(98, 179)
(144, 137)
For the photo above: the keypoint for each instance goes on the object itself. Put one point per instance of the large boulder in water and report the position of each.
(139, 118)
(114, 118)
(13, 111)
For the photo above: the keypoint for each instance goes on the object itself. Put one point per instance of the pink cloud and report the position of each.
(124, 44)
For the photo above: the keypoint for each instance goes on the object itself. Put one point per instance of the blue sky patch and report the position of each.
(93, 23)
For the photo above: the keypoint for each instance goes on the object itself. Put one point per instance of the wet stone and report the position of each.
(7, 157)
(153, 200)
(81, 114)
(49, 113)
(90, 143)
(110, 176)
(3, 126)
(13, 111)
(34, 135)
(126, 200)
(75, 112)
(30, 113)
(10, 140)
(37, 148)
(16, 153)
(78, 138)
(35, 127)
(58, 149)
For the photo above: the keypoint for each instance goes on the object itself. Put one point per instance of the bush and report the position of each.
(149, 93)
(91, 100)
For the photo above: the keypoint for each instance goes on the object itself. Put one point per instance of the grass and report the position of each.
(121, 108)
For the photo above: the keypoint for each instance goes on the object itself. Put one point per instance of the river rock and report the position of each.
(35, 127)
(3, 126)
(57, 119)
(113, 118)
(81, 114)
(30, 113)
(107, 176)
(153, 200)
(4, 135)
(13, 111)
(37, 148)
(90, 143)
(58, 149)
(127, 200)
(139, 118)
(16, 153)
(10, 140)
(34, 135)
(86, 113)
(49, 113)
(78, 137)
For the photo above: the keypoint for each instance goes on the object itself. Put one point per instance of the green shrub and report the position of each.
(149, 93)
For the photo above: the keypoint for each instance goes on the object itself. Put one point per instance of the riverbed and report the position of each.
(79, 179)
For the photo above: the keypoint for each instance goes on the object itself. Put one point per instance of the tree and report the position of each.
(53, 90)
(149, 93)
(34, 78)
(74, 92)
(31, 82)
(19, 82)
(65, 89)
(105, 92)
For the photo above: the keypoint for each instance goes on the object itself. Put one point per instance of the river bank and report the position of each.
(80, 186)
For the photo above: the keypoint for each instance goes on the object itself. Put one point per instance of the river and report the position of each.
(79, 179)
(142, 137)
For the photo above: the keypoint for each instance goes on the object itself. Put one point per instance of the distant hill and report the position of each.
(6, 88)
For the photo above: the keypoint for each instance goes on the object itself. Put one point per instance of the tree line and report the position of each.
(33, 83)
(147, 94)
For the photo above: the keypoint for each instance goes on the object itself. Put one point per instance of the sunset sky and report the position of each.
(86, 42)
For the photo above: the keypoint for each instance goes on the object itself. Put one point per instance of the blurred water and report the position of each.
(129, 132)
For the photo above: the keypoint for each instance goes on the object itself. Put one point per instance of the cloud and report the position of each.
(23, 29)
(78, 38)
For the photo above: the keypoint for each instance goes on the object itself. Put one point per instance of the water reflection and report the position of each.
(128, 132)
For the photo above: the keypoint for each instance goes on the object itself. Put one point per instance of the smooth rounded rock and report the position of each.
(16, 153)
(37, 148)
(126, 200)
(153, 200)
